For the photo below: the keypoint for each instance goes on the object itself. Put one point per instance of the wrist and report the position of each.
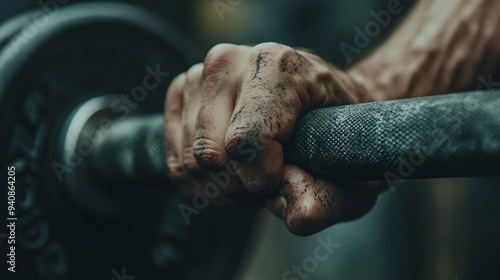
(368, 88)
(341, 88)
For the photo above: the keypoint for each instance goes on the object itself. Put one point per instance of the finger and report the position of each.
(309, 205)
(204, 187)
(173, 128)
(223, 188)
(173, 135)
(264, 115)
(220, 86)
(191, 106)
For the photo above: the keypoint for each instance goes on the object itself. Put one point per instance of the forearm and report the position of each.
(440, 47)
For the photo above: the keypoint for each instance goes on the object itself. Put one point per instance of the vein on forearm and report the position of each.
(439, 48)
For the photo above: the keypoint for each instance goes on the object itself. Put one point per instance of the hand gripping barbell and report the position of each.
(80, 131)
(454, 135)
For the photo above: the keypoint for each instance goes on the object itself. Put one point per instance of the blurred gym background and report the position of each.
(430, 229)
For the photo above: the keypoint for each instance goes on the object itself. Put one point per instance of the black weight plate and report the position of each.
(11, 27)
(83, 51)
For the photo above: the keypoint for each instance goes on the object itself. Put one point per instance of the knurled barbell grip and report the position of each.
(455, 135)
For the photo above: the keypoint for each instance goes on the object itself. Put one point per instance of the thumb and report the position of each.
(309, 205)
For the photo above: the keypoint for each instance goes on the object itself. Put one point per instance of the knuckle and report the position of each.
(274, 51)
(178, 82)
(188, 161)
(285, 58)
(194, 74)
(247, 141)
(271, 47)
(175, 89)
(206, 152)
(221, 51)
(239, 143)
(218, 58)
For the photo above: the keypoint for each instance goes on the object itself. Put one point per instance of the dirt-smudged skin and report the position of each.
(257, 65)
(239, 107)
(227, 118)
